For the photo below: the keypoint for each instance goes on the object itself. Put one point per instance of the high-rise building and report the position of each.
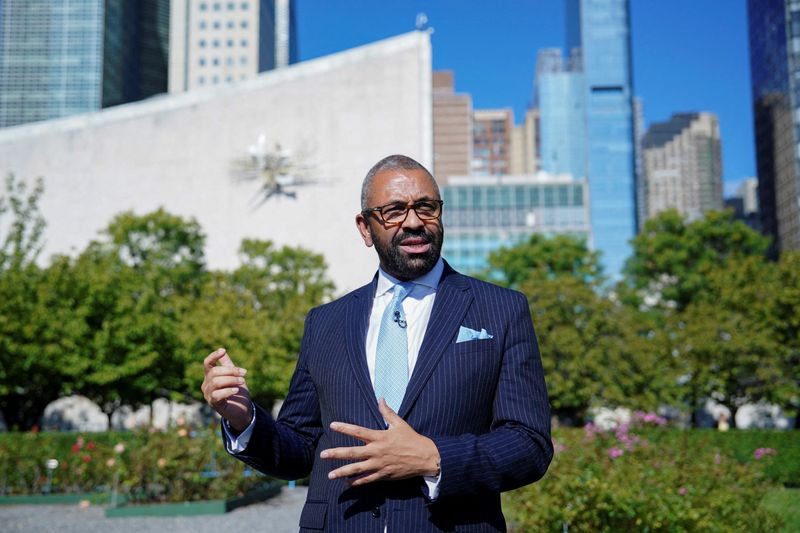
(483, 214)
(217, 42)
(683, 165)
(491, 149)
(452, 128)
(60, 58)
(601, 29)
(525, 145)
(560, 87)
(775, 84)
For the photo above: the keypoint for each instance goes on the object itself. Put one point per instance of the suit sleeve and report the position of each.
(517, 450)
(284, 448)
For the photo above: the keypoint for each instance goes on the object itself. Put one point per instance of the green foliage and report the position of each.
(636, 480)
(181, 464)
(21, 244)
(672, 258)
(785, 502)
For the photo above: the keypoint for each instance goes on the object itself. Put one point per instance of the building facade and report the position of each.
(526, 145)
(774, 27)
(560, 87)
(491, 148)
(452, 128)
(221, 42)
(604, 33)
(199, 155)
(483, 214)
(61, 58)
(683, 165)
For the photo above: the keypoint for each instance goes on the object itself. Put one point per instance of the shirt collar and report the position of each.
(429, 279)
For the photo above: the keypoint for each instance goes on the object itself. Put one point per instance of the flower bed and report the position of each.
(643, 477)
(178, 465)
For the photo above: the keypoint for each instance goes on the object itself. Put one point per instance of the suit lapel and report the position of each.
(453, 298)
(357, 322)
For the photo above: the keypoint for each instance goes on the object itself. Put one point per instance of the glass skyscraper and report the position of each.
(774, 30)
(587, 119)
(562, 113)
(64, 57)
(483, 214)
(603, 27)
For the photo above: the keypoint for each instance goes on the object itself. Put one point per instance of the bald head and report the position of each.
(392, 162)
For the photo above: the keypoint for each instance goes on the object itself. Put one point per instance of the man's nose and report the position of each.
(412, 220)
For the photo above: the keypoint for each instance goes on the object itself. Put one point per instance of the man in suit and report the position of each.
(417, 398)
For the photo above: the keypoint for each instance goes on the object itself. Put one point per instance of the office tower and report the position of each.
(483, 214)
(491, 149)
(219, 42)
(774, 72)
(64, 57)
(682, 165)
(452, 128)
(525, 145)
(601, 30)
(638, 135)
(744, 203)
(560, 97)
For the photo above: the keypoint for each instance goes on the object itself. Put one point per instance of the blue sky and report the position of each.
(688, 55)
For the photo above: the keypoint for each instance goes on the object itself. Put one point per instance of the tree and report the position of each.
(672, 258)
(257, 312)
(40, 326)
(729, 337)
(139, 278)
(595, 351)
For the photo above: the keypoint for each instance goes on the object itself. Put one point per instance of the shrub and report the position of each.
(643, 479)
(144, 466)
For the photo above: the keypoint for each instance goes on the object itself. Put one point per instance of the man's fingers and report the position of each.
(352, 452)
(358, 432)
(351, 470)
(211, 359)
(226, 371)
(221, 382)
(369, 478)
(388, 413)
(222, 394)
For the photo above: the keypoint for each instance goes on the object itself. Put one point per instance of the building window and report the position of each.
(202, 43)
(243, 60)
(217, 6)
(231, 6)
(215, 80)
(217, 24)
(202, 61)
(244, 24)
(216, 43)
(229, 61)
(216, 61)
(231, 24)
(245, 5)
(201, 80)
(203, 24)
(244, 43)
(203, 6)
(230, 43)
(228, 79)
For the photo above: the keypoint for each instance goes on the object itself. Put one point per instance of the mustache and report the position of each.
(422, 233)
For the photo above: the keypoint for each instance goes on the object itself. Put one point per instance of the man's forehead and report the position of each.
(403, 181)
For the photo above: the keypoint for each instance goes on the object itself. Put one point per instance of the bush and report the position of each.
(653, 479)
(144, 466)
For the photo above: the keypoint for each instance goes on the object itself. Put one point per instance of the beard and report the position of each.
(404, 266)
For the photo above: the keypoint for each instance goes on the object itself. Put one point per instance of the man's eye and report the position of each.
(393, 211)
(425, 208)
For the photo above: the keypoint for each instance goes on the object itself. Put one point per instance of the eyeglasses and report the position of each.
(395, 213)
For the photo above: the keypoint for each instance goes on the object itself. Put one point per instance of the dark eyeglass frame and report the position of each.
(409, 206)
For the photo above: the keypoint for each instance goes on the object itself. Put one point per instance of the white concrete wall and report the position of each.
(175, 151)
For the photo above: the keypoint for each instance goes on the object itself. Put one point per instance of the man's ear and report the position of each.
(363, 228)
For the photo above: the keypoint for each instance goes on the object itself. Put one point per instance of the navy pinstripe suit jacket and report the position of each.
(483, 403)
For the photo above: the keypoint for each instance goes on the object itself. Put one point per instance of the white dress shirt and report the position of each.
(417, 307)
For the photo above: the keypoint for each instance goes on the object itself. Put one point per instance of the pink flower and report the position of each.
(111, 462)
(90, 446)
(162, 462)
(717, 458)
(182, 432)
(558, 447)
(682, 491)
(119, 448)
(761, 452)
(86, 458)
(615, 452)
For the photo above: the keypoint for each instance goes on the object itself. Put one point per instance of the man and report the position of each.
(416, 399)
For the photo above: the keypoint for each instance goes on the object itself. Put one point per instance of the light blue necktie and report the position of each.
(391, 356)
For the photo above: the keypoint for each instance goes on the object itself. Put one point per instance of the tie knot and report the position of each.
(401, 290)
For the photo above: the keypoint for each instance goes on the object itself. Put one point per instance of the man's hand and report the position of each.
(225, 390)
(395, 453)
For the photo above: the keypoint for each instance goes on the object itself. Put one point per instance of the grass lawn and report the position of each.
(785, 502)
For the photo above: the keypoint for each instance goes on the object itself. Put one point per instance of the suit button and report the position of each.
(376, 512)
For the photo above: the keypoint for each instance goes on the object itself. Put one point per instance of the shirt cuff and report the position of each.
(237, 444)
(432, 484)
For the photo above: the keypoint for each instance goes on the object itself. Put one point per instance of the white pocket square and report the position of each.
(467, 334)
